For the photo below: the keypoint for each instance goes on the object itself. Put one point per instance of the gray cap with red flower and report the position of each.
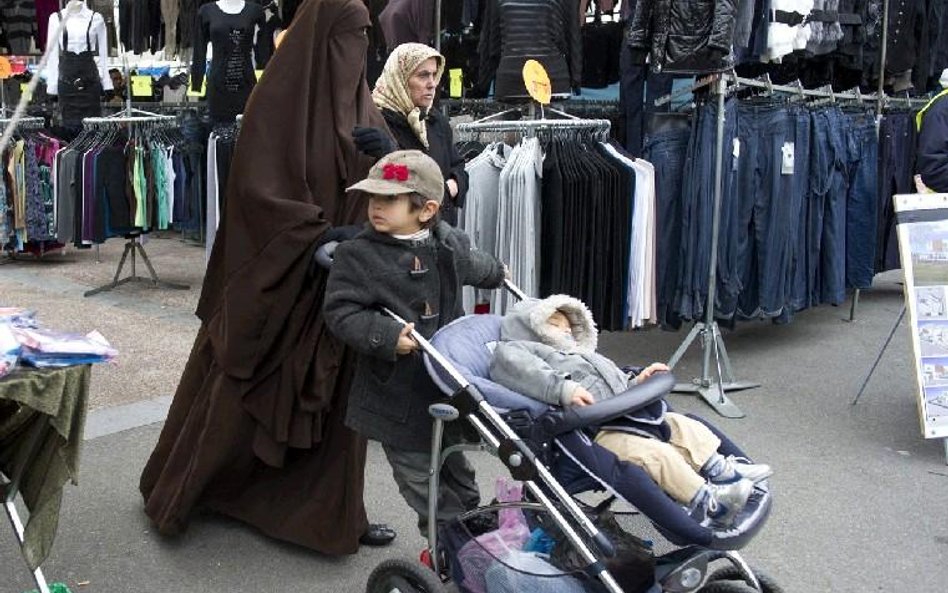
(404, 172)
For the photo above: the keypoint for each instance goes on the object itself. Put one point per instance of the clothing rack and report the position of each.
(715, 392)
(133, 244)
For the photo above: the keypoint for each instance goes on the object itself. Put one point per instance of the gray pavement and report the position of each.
(860, 495)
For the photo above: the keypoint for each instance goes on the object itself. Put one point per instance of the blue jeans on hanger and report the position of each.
(698, 215)
(896, 161)
(667, 151)
(797, 280)
(768, 135)
(828, 189)
(862, 203)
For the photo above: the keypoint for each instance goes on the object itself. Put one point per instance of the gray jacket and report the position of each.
(536, 360)
(421, 282)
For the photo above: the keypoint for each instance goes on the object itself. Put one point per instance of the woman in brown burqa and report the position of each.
(256, 427)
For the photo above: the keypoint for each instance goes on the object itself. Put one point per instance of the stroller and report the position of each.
(546, 449)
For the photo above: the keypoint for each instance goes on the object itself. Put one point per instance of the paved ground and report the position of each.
(861, 496)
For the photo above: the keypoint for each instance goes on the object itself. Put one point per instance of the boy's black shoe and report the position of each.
(378, 534)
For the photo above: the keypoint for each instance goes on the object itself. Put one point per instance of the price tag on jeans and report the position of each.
(736, 151)
(787, 167)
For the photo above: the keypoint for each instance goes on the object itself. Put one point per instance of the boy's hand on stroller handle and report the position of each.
(406, 344)
(581, 397)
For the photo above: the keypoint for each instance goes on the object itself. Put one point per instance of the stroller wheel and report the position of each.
(725, 587)
(404, 576)
(731, 574)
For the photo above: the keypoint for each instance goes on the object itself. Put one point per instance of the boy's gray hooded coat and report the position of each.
(541, 362)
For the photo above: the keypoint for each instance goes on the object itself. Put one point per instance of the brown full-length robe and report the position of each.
(256, 427)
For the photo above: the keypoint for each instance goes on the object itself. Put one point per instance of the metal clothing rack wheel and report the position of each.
(132, 245)
(713, 390)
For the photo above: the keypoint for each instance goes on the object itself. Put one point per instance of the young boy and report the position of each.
(412, 263)
(547, 351)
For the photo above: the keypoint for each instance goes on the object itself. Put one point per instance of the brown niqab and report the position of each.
(256, 427)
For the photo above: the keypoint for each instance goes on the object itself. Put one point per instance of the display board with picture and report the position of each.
(923, 242)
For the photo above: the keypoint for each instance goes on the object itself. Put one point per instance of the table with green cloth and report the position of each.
(48, 404)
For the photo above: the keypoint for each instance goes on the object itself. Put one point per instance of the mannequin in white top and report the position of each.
(85, 20)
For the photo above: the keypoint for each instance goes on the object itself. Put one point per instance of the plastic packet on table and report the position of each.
(44, 341)
(9, 349)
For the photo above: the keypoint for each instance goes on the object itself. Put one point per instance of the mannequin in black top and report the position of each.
(230, 27)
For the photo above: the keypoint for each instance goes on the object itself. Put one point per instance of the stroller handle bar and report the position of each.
(425, 345)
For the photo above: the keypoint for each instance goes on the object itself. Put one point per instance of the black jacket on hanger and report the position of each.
(683, 35)
(515, 31)
(905, 39)
(440, 148)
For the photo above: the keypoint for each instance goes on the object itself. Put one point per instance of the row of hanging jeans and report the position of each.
(27, 208)
(798, 211)
(569, 215)
(113, 182)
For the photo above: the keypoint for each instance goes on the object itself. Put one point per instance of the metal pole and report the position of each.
(437, 25)
(875, 364)
(713, 392)
(711, 344)
(882, 55)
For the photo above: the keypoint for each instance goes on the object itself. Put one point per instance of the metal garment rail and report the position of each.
(531, 126)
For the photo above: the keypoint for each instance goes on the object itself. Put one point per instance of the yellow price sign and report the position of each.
(456, 78)
(6, 70)
(25, 90)
(200, 93)
(259, 73)
(537, 82)
(141, 86)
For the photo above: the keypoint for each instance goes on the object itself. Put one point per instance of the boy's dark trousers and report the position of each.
(457, 492)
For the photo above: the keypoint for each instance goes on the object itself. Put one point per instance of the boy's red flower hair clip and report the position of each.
(393, 171)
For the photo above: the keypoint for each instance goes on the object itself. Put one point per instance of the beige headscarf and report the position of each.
(391, 90)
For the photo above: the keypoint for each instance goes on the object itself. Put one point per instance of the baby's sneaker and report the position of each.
(725, 501)
(730, 469)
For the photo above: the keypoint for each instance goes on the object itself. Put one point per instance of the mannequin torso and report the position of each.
(230, 26)
(79, 59)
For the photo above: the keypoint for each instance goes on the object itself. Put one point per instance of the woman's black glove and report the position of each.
(373, 141)
(327, 243)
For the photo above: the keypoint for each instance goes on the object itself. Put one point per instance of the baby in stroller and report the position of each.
(547, 351)
(548, 448)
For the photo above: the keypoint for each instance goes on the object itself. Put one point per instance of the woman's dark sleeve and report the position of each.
(458, 172)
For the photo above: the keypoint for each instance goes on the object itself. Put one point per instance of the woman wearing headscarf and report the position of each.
(405, 93)
(256, 429)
